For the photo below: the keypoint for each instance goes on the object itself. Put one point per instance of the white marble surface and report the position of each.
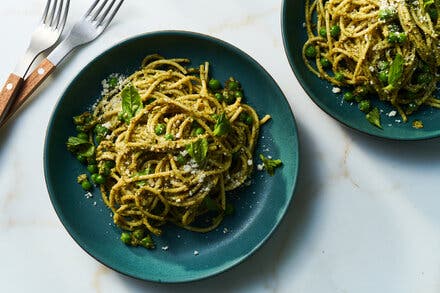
(365, 217)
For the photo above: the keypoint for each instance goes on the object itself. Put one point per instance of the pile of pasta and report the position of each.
(370, 35)
(173, 175)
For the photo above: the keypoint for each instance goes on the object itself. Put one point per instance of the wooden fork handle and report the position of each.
(9, 93)
(30, 84)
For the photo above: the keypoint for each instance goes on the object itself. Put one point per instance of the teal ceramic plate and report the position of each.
(294, 36)
(259, 207)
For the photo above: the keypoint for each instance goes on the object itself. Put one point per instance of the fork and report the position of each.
(88, 28)
(45, 36)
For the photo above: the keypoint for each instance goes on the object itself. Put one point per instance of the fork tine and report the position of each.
(46, 9)
(62, 22)
(91, 8)
(98, 10)
(109, 19)
(57, 15)
(104, 14)
(51, 15)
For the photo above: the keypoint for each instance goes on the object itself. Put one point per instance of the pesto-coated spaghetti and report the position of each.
(171, 146)
(387, 47)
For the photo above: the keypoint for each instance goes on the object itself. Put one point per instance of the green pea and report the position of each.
(93, 168)
(233, 85)
(169, 136)
(311, 51)
(81, 158)
(246, 118)
(387, 14)
(138, 234)
(200, 131)
(364, 105)
(98, 178)
(86, 185)
(325, 62)
(249, 120)
(238, 94)
(109, 163)
(83, 135)
(348, 96)
(126, 237)
(323, 32)
(214, 84)
(383, 77)
(229, 97)
(105, 171)
(393, 37)
(335, 31)
(339, 76)
(160, 129)
(219, 97)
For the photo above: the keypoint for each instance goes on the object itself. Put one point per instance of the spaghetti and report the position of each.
(177, 148)
(387, 47)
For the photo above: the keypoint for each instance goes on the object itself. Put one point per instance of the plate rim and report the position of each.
(315, 100)
(183, 33)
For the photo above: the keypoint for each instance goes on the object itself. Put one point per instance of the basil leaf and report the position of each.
(198, 150)
(80, 146)
(395, 73)
(222, 125)
(131, 103)
(374, 117)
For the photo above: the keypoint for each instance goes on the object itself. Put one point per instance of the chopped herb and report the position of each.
(270, 164)
(198, 150)
(112, 82)
(148, 242)
(374, 117)
(131, 103)
(84, 122)
(395, 73)
(141, 183)
(222, 125)
(138, 233)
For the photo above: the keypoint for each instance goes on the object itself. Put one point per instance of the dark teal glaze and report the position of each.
(258, 208)
(294, 36)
